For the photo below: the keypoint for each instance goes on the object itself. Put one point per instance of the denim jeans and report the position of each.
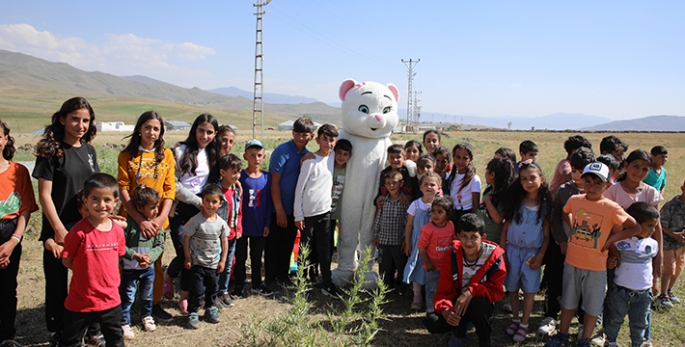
(225, 277)
(431, 286)
(136, 280)
(620, 301)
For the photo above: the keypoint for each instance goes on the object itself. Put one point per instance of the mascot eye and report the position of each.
(364, 109)
(387, 109)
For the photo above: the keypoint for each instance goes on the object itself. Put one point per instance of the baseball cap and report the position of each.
(598, 169)
(253, 143)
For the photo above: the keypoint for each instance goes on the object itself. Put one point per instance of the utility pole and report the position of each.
(258, 101)
(410, 110)
(417, 109)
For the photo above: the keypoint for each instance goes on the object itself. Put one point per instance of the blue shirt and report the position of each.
(528, 233)
(656, 180)
(285, 160)
(256, 203)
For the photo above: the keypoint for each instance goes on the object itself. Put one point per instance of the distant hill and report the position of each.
(556, 121)
(652, 123)
(270, 98)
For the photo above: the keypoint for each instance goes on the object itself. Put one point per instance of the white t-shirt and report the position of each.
(648, 194)
(635, 271)
(313, 189)
(194, 183)
(423, 206)
(463, 200)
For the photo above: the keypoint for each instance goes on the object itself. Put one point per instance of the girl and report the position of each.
(225, 174)
(65, 157)
(194, 158)
(431, 140)
(413, 150)
(442, 161)
(18, 202)
(425, 163)
(463, 184)
(505, 152)
(145, 161)
(226, 136)
(526, 235)
(418, 211)
(499, 175)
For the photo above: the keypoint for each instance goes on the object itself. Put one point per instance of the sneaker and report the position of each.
(611, 344)
(547, 326)
(149, 324)
(263, 290)
(227, 300)
(331, 290)
(193, 320)
(212, 315)
(237, 292)
(671, 296)
(580, 332)
(599, 339)
(275, 288)
(161, 315)
(506, 307)
(128, 332)
(664, 301)
(558, 340)
(647, 343)
(10, 343)
(584, 343)
(456, 341)
(417, 303)
(97, 341)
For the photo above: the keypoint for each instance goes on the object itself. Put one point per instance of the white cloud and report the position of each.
(517, 85)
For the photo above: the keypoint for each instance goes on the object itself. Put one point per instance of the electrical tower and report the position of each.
(412, 122)
(417, 109)
(258, 101)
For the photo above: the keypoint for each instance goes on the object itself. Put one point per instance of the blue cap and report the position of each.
(253, 143)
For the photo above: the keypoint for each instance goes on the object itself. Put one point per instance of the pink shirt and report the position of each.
(563, 166)
(437, 241)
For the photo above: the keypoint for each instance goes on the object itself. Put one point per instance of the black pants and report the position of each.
(183, 213)
(316, 236)
(8, 295)
(554, 271)
(55, 291)
(204, 283)
(478, 313)
(456, 215)
(256, 244)
(392, 258)
(76, 324)
(278, 248)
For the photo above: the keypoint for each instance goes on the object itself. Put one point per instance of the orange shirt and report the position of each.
(592, 224)
(16, 192)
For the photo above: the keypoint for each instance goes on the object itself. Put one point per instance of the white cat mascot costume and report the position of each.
(369, 115)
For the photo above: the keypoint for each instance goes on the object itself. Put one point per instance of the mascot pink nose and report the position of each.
(378, 117)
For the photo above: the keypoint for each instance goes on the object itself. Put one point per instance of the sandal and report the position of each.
(521, 333)
(168, 290)
(513, 327)
(183, 306)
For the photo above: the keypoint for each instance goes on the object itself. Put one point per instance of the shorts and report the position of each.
(519, 273)
(590, 284)
(674, 259)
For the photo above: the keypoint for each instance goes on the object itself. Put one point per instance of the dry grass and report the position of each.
(401, 327)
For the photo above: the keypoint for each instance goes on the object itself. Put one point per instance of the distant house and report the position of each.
(113, 126)
(176, 125)
(400, 128)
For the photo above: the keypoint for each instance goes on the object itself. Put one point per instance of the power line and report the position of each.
(412, 122)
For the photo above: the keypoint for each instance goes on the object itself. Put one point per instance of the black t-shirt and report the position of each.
(67, 173)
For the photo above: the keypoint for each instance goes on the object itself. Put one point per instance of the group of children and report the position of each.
(595, 228)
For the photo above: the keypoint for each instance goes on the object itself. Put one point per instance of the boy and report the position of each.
(528, 151)
(657, 175)
(256, 219)
(388, 231)
(285, 169)
(631, 292)
(673, 225)
(91, 250)
(591, 218)
(562, 173)
(614, 146)
(205, 235)
(613, 164)
(312, 206)
(471, 279)
(343, 152)
(396, 159)
(554, 258)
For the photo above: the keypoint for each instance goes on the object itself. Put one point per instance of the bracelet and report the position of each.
(16, 238)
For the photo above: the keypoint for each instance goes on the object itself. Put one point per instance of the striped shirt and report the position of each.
(390, 221)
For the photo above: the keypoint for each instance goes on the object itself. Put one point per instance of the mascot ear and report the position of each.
(394, 91)
(345, 87)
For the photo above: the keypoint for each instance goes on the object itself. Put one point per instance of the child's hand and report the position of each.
(266, 231)
(680, 236)
(429, 266)
(53, 247)
(612, 262)
(406, 249)
(6, 250)
(404, 200)
(148, 228)
(375, 241)
(379, 202)
(536, 261)
(220, 267)
(238, 235)
(299, 225)
(462, 303)
(451, 317)
(187, 265)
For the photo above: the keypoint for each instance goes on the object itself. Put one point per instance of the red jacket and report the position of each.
(487, 282)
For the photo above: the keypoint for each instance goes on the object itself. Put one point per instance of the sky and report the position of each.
(614, 59)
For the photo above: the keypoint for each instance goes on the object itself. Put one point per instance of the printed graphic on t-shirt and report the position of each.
(91, 162)
(586, 226)
(255, 198)
(11, 205)
(338, 184)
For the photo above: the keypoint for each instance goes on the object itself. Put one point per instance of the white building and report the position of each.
(113, 126)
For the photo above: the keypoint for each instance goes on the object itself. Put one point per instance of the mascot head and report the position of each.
(369, 109)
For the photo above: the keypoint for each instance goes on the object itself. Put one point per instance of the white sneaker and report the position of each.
(599, 339)
(580, 332)
(647, 343)
(128, 332)
(547, 326)
(149, 324)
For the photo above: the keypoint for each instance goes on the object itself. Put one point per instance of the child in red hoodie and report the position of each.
(475, 268)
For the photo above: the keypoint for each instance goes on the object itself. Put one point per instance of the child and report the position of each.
(205, 247)
(312, 206)
(613, 164)
(614, 146)
(463, 184)
(499, 175)
(19, 202)
(396, 161)
(413, 149)
(657, 174)
(673, 225)
(256, 208)
(225, 174)
(562, 173)
(526, 235)
(138, 263)
(431, 140)
(226, 136)
(425, 163)
(560, 232)
(434, 242)
(388, 231)
(591, 218)
(285, 169)
(343, 152)
(528, 150)
(631, 292)
(91, 250)
(442, 162)
(505, 152)
(419, 215)
(64, 160)
(471, 278)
